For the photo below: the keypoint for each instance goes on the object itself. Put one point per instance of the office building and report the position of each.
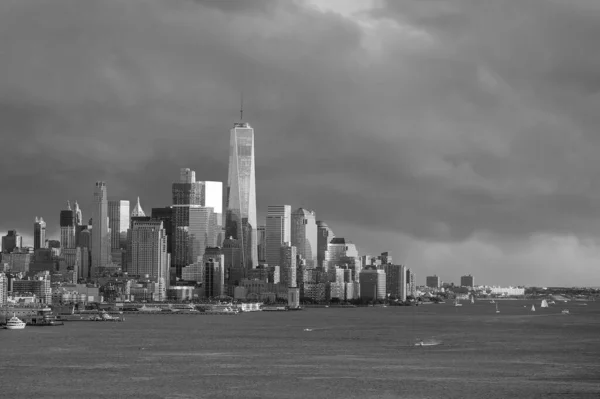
(213, 198)
(304, 235)
(372, 283)
(78, 215)
(395, 281)
(3, 289)
(287, 265)
(193, 223)
(386, 258)
(325, 235)
(148, 252)
(240, 206)
(118, 216)
(18, 260)
(433, 281)
(39, 233)
(11, 241)
(100, 236)
(337, 250)
(137, 211)
(68, 230)
(411, 286)
(467, 281)
(214, 278)
(278, 231)
(262, 243)
(165, 215)
(40, 287)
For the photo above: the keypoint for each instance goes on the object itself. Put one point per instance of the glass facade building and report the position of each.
(118, 216)
(241, 193)
(304, 235)
(100, 236)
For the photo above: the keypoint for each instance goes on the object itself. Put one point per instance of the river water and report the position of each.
(350, 353)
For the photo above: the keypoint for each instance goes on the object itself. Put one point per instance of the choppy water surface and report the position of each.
(350, 353)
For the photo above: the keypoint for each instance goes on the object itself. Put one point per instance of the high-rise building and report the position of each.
(214, 278)
(386, 258)
(278, 231)
(372, 283)
(395, 280)
(304, 235)
(39, 233)
(213, 198)
(287, 265)
(3, 289)
(432, 281)
(337, 249)
(325, 235)
(100, 236)
(166, 216)
(148, 251)
(241, 193)
(411, 286)
(194, 224)
(11, 241)
(78, 215)
(467, 281)
(261, 236)
(232, 254)
(118, 216)
(137, 210)
(68, 227)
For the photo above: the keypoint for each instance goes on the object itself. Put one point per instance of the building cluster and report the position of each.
(191, 249)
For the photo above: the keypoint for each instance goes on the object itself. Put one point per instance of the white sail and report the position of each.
(472, 299)
(544, 304)
(533, 308)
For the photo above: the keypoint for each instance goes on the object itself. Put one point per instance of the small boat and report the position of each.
(492, 301)
(472, 299)
(308, 329)
(551, 303)
(457, 302)
(14, 323)
(533, 308)
(544, 304)
(565, 311)
(145, 308)
(497, 311)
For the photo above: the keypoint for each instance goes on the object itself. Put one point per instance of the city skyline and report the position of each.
(414, 136)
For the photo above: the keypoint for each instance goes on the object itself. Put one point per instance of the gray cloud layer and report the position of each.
(413, 126)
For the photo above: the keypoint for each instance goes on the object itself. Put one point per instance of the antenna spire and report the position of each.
(241, 106)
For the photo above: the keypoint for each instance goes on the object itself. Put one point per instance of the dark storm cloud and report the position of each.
(433, 120)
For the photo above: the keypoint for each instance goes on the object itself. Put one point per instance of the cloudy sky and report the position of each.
(462, 135)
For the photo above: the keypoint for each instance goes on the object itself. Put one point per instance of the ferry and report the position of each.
(145, 308)
(14, 323)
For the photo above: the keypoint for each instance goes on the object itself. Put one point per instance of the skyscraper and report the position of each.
(118, 216)
(67, 227)
(241, 193)
(39, 233)
(11, 241)
(278, 231)
(137, 210)
(213, 198)
(78, 215)
(193, 222)
(100, 237)
(148, 251)
(304, 235)
(262, 243)
(287, 265)
(165, 214)
(325, 234)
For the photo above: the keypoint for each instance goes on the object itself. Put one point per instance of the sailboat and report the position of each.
(457, 302)
(497, 311)
(544, 304)
(533, 308)
(472, 299)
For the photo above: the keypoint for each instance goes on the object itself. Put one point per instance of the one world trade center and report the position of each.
(241, 194)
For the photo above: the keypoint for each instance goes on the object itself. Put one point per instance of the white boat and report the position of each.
(544, 304)
(565, 311)
(492, 301)
(472, 299)
(533, 308)
(552, 303)
(457, 302)
(497, 311)
(145, 308)
(14, 323)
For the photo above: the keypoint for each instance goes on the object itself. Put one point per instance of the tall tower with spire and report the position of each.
(100, 236)
(137, 210)
(39, 233)
(78, 215)
(241, 193)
